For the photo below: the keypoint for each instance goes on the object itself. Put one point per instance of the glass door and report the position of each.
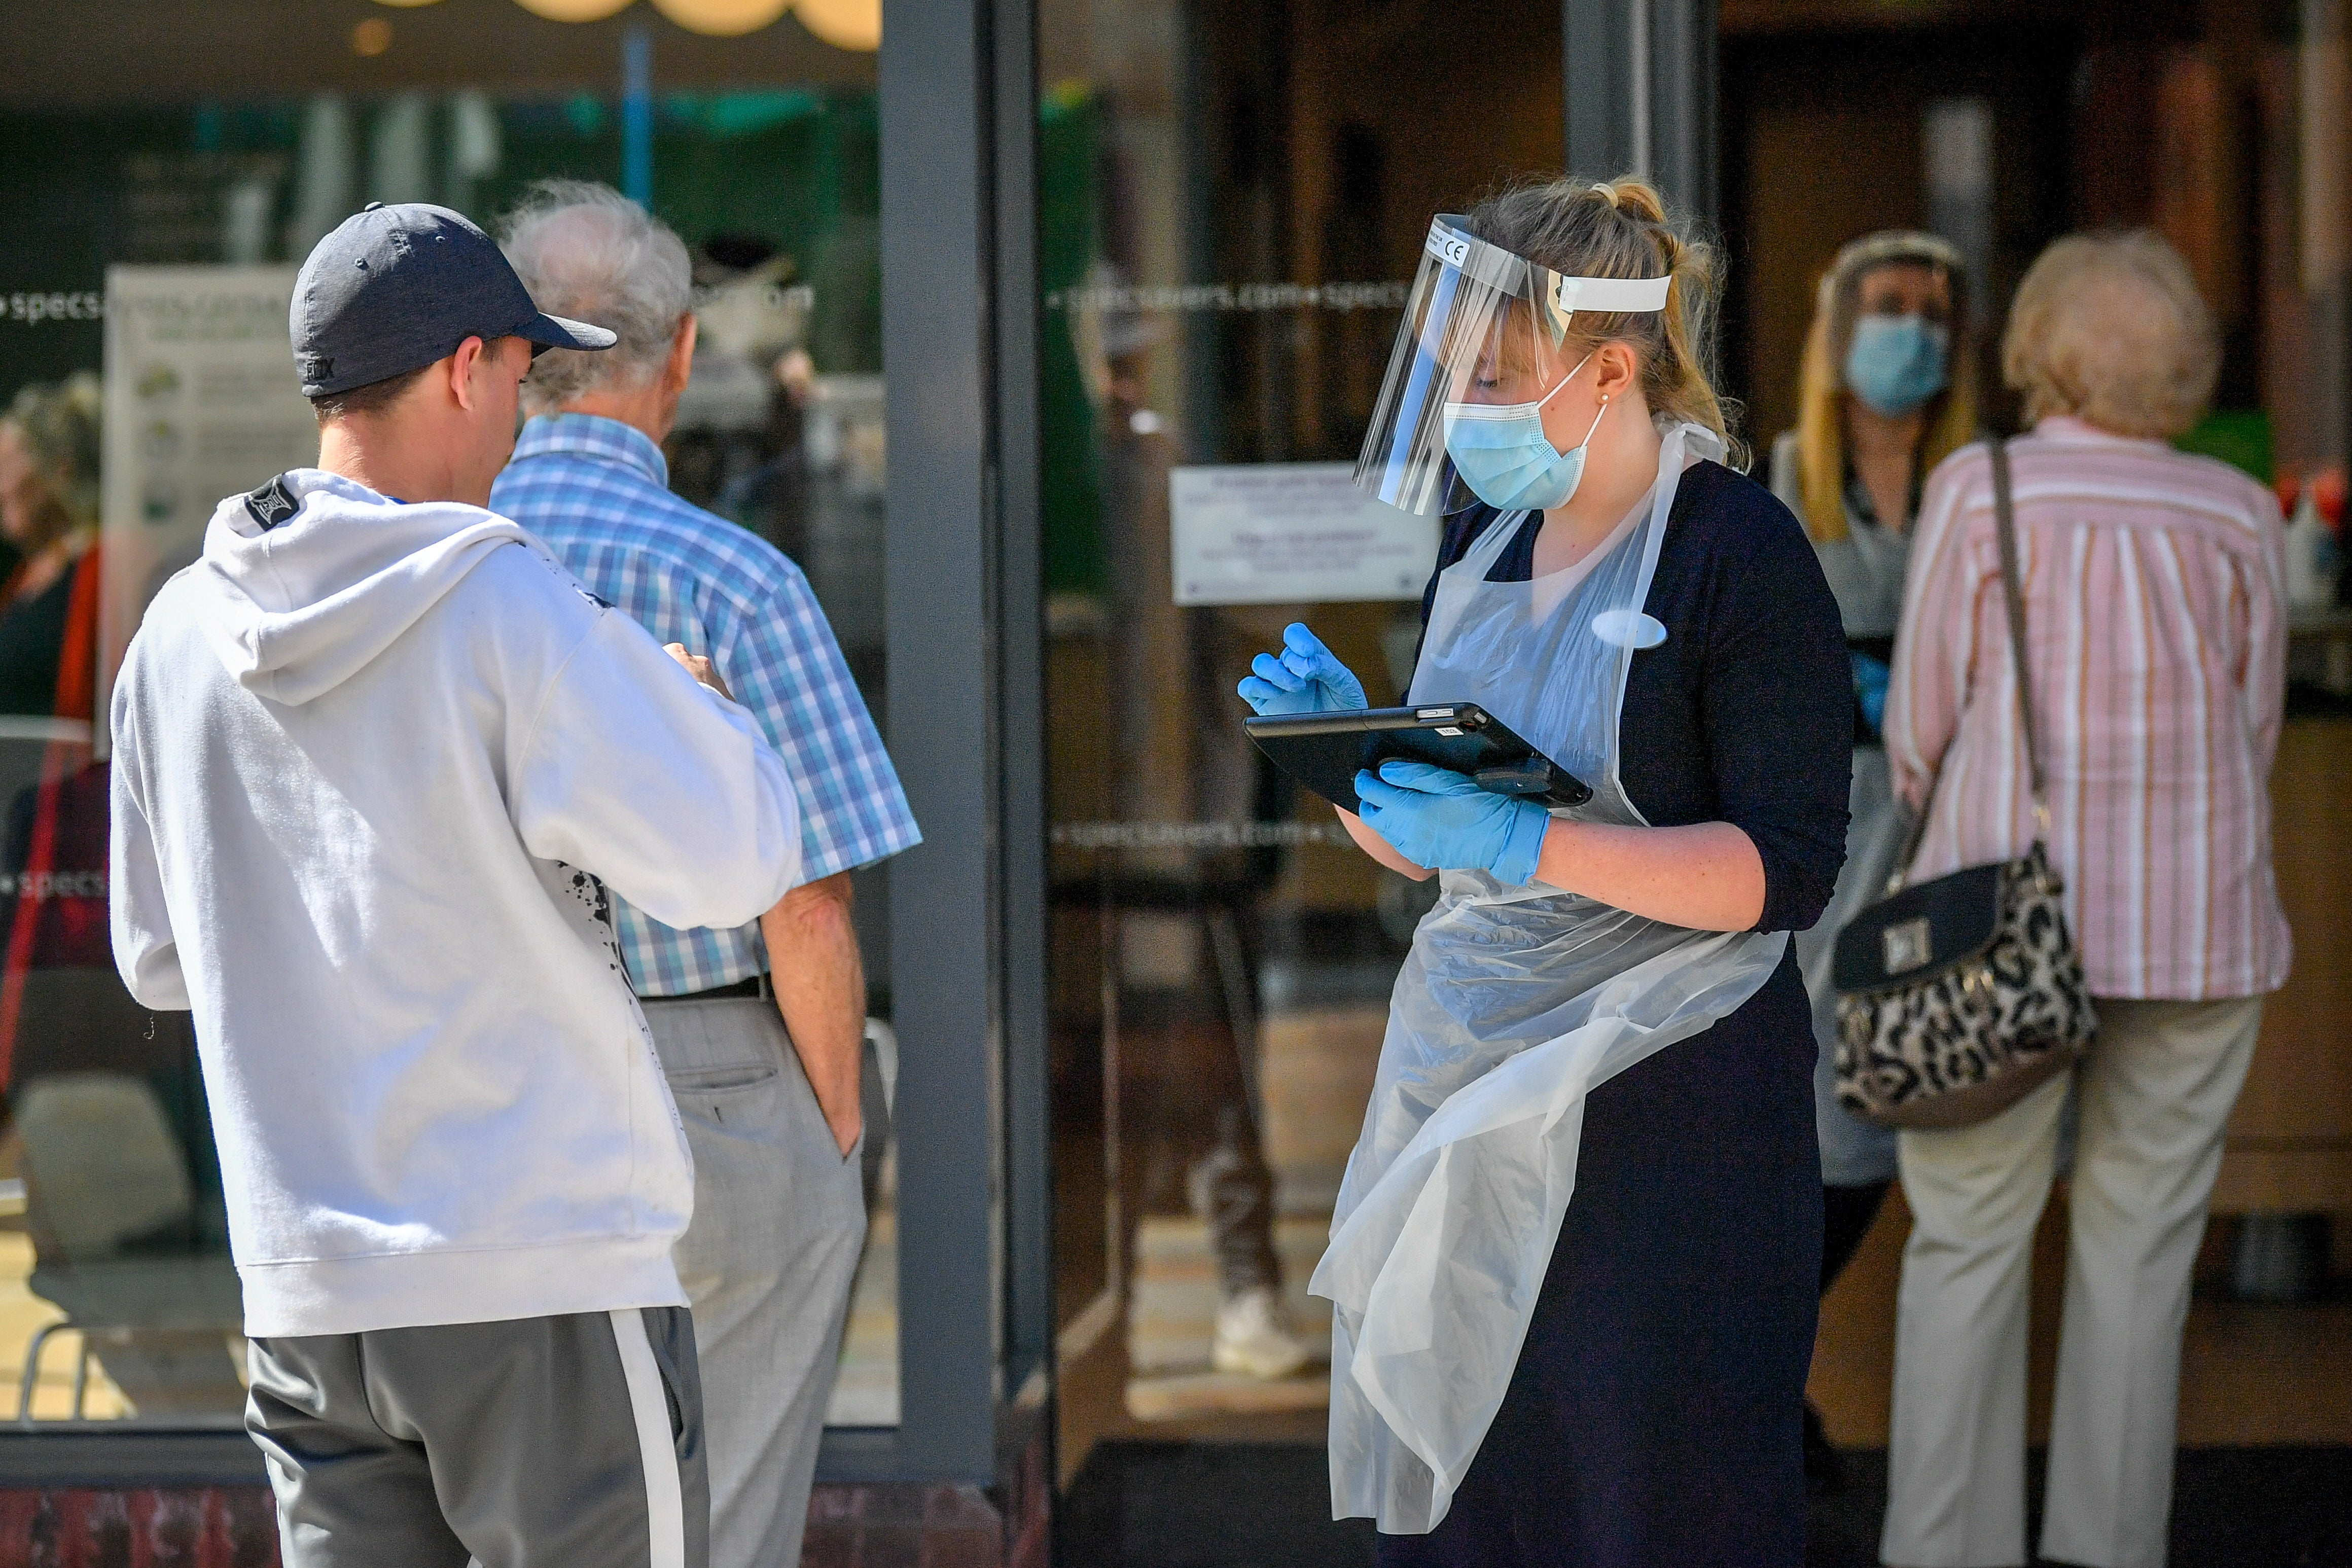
(1232, 198)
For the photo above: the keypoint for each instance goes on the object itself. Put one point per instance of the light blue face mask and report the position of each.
(1503, 455)
(1896, 362)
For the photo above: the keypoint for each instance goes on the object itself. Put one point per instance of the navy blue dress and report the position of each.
(1653, 1420)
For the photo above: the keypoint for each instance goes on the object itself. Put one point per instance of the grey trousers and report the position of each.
(768, 1261)
(567, 1442)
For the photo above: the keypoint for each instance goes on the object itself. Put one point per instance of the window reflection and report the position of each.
(118, 1297)
(1230, 216)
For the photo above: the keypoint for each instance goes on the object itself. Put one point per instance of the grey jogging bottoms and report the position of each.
(565, 1442)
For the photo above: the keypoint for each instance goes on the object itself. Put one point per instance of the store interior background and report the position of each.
(1310, 141)
(1218, 958)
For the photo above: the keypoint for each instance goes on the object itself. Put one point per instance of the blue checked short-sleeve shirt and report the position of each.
(597, 491)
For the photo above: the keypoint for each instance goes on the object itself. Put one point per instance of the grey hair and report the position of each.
(588, 252)
(2111, 328)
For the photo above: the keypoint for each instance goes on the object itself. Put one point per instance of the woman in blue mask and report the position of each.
(1886, 393)
(1572, 1261)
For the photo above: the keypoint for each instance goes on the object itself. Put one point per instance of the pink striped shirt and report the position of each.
(2156, 626)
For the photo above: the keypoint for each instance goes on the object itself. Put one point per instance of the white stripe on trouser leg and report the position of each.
(664, 1500)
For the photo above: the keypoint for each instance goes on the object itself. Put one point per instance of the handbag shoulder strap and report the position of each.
(2013, 591)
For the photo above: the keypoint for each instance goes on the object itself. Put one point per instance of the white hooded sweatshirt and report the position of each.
(369, 765)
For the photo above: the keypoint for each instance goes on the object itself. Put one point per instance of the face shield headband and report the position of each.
(1483, 327)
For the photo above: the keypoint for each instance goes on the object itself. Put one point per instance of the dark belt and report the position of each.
(756, 985)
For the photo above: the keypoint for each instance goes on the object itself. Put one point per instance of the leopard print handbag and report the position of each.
(1960, 995)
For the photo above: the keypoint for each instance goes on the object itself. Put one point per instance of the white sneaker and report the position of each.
(1253, 1336)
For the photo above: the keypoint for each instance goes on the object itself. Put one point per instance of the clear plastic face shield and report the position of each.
(1483, 346)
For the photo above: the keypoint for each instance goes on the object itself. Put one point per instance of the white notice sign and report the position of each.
(1271, 533)
(201, 402)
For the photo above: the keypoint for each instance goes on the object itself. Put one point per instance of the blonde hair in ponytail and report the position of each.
(1621, 229)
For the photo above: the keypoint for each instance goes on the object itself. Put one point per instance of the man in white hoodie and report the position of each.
(377, 756)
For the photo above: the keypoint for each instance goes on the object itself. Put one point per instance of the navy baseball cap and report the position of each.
(397, 287)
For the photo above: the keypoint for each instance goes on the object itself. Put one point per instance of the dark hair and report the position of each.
(1620, 228)
(373, 398)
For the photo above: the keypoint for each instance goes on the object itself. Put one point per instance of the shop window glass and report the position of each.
(152, 243)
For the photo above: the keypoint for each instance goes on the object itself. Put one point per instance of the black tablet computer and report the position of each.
(1324, 750)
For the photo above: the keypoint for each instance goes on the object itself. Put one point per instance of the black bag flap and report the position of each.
(1920, 932)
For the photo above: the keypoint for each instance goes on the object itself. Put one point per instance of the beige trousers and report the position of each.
(2154, 1096)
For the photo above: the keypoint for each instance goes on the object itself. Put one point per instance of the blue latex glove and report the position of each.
(1870, 678)
(1436, 817)
(1307, 678)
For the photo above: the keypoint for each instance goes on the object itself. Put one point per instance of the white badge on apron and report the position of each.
(1513, 1005)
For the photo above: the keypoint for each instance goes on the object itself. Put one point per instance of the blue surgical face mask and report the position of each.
(1896, 362)
(1503, 455)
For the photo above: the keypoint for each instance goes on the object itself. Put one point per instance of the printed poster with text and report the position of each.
(201, 402)
(1274, 533)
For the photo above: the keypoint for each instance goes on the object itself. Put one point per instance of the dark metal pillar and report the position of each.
(1020, 458)
(937, 294)
(1640, 82)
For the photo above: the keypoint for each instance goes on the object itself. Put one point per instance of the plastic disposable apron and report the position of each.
(1513, 1004)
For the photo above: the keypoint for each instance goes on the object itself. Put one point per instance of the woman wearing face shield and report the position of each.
(1886, 393)
(1573, 1259)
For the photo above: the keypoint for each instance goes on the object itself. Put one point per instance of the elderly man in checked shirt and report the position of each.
(761, 1029)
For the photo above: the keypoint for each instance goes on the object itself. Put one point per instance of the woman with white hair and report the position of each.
(2154, 631)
